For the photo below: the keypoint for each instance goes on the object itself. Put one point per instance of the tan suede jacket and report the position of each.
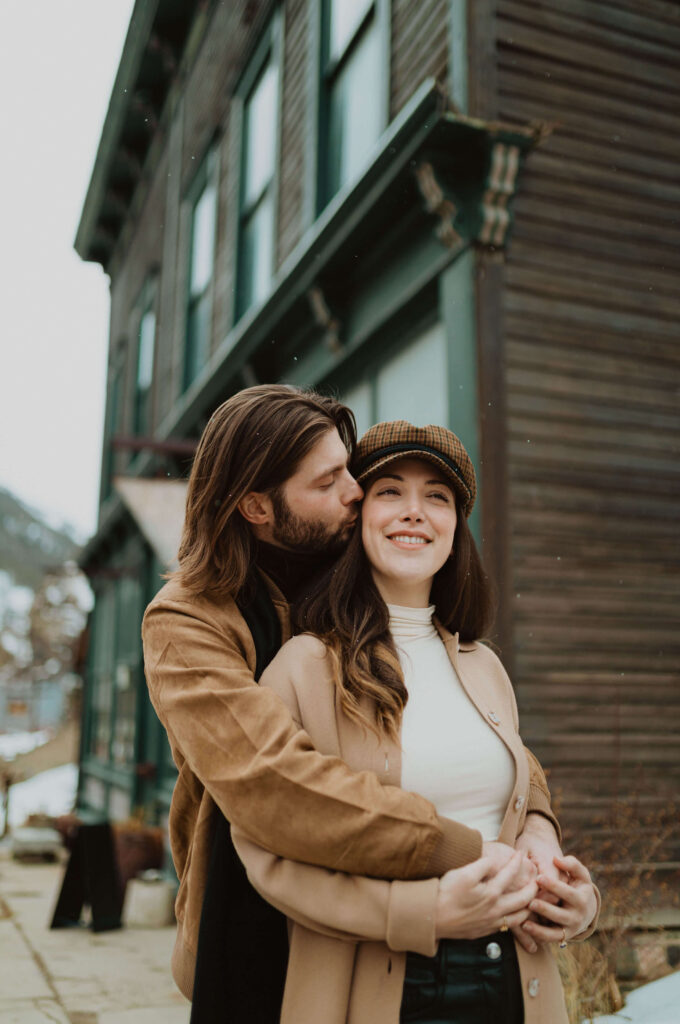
(348, 935)
(236, 746)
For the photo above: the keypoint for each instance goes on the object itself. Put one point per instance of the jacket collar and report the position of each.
(452, 640)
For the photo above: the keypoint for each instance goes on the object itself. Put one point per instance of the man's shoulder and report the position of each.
(175, 598)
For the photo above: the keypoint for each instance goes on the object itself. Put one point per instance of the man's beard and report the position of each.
(310, 536)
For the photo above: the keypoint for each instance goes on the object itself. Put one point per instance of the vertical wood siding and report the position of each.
(293, 125)
(591, 306)
(419, 47)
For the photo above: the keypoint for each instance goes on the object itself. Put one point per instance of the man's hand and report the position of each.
(539, 842)
(477, 899)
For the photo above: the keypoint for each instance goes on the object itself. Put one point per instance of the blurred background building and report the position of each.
(449, 212)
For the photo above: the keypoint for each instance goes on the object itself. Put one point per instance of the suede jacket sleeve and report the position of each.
(239, 741)
(401, 914)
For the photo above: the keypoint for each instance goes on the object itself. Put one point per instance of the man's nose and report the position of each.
(352, 492)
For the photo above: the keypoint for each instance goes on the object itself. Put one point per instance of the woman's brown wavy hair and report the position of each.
(346, 611)
(254, 441)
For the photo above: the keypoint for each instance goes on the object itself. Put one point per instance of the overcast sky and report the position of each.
(58, 61)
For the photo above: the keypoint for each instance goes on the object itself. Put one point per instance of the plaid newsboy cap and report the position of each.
(398, 439)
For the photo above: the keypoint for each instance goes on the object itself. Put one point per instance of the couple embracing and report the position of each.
(360, 835)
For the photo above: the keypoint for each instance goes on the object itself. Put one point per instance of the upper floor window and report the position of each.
(353, 103)
(203, 198)
(257, 220)
(146, 344)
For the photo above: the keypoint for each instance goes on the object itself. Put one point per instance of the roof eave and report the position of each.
(137, 38)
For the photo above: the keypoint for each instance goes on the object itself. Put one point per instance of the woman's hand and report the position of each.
(477, 899)
(575, 910)
(540, 843)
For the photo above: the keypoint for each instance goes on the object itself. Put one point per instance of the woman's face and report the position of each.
(408, 521)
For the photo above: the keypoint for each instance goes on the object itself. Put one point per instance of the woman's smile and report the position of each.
(409, 540)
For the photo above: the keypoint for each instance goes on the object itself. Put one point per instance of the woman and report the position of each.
(378, 681)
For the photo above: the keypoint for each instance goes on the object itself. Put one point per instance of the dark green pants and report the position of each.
(468, 982)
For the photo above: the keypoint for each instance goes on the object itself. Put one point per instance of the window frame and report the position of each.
(206, 176)
(146, 304)
(114, 416)
(327, 72)
(270, 48)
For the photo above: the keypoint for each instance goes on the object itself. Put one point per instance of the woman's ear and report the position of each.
(257, 508)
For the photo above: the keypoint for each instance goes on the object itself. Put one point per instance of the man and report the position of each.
(270, 502)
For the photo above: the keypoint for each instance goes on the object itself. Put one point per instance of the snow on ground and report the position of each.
(14, 743)
(656, 1003)
(52, 792)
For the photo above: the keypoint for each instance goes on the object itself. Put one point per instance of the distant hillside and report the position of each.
(28, 547)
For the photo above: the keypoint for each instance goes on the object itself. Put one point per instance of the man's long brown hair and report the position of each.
(254, 441)
(346, 611)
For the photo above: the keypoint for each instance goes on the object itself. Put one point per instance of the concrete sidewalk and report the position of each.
(73, 976)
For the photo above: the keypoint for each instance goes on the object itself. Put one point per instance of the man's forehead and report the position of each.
(328, 454)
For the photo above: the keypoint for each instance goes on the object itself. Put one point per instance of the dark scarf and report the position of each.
(292, 571)
(242, 942)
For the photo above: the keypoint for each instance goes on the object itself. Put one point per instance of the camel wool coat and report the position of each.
(349, 935)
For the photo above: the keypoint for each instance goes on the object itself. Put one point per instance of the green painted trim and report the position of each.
(458, 315)
(458, 53)
(390, 290)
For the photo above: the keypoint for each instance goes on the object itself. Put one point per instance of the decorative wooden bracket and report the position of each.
(324, 318)
(437, 204)
(500, 188)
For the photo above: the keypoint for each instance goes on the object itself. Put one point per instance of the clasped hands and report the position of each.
(539, 894)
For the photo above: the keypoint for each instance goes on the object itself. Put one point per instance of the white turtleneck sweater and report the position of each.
(450, 755)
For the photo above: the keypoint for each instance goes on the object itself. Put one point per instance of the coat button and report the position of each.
(493, 951)
(534, 986)
(519, 803)
(493, 717)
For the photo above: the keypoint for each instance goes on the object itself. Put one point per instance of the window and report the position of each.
(353, 90)
(201, 269)
(146, 343)
(258, 174)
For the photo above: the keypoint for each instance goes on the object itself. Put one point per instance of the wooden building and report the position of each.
(449, 212)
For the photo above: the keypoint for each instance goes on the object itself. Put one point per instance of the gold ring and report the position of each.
(504, 926)
(563, 943)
